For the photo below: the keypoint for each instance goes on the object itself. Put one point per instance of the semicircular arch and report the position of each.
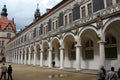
(110, 21)
(86, 28)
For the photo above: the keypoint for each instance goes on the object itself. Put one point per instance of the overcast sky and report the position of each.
(23, 10)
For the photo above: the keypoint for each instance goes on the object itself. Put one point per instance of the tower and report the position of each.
(37, 12)
(7, 31)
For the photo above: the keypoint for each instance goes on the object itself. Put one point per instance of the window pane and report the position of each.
(89, 8)
(89, 54)
(87, 44)
(109, 3)
(111, 53)
(117, 1)
(70, 17)
(66, 20)
(113, 40)
(8, 35)
(83, 11)
(53, 25)
(56, 24)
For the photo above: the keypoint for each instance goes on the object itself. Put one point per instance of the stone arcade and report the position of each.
(77, 34)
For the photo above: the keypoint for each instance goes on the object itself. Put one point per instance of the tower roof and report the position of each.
(37, 12)
(4, 21)
(4, 12)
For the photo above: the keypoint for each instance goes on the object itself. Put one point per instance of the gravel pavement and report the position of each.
(29, 72)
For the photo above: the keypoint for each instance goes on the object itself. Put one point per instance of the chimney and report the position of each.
(13, 20)
(48, 10)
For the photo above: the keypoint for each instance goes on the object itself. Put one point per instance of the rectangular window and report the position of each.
(21, 39)
(25, 37)
(53, 25)
(89, 6)
(73, 54)
(8, 35)
(89, 54)
(37, 32)
(83, 11)
(109, 3)
(70, 17)
(44, 30)
(1, 43)
(56, 24)
(66, 22)
(117, 1)
(34, 33)
(111, 53)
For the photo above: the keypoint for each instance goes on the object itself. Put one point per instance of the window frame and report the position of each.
(45, 29)
(86, 9)
(89, 48)
(109, 46)
(54, 24)
(67, 17)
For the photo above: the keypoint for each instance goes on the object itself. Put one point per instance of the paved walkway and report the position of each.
(25, 72)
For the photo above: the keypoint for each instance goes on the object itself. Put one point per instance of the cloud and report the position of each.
(23, 10)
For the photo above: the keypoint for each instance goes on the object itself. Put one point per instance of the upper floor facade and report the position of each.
(65, 16)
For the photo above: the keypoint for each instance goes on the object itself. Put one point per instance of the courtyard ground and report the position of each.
(29, 72)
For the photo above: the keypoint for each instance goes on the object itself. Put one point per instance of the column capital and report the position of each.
(101, 41)
(78, 45)
(41, 51)
(49, 49)
(61, 48)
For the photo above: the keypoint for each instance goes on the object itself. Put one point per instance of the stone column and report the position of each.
(34, 58)
(61, 58)
(15, 57)
(21, 57)
(41, 59)
(25, 57)
(29, 58)
(78, 55)
(18, 57)
(102, 53)
(50, 58)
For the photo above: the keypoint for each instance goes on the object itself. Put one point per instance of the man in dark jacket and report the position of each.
(10, 72)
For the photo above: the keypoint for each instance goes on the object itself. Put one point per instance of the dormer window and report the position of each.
(8, 35)
(9, 28)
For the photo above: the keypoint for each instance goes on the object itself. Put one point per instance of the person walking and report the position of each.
(112, 75)
(104, 71)
(118, 72)
(10, 72)
(101, 73)
(4, 70)
(53, 63)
